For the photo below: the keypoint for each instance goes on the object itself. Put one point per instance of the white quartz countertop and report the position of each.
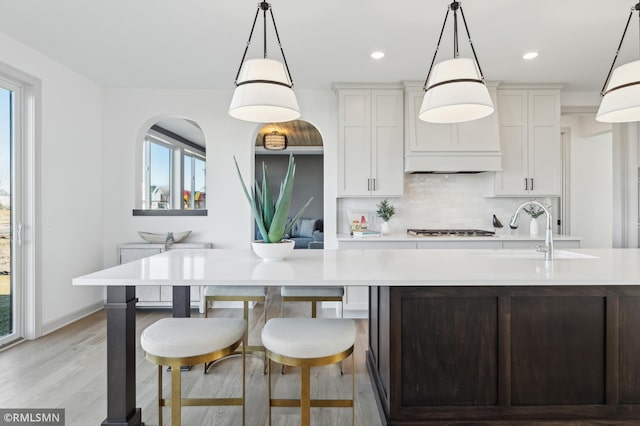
(413, 238)
(376, 267)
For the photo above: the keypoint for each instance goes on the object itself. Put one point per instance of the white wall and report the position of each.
(591, 180)
(127, 115)
(68, 196)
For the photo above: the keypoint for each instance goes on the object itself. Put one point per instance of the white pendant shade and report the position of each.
(455, 93)
(260, 101)
(623, 104)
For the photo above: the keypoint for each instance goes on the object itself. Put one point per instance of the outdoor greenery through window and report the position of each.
(174, 174)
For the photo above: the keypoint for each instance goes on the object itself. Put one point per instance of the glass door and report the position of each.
(10, 228)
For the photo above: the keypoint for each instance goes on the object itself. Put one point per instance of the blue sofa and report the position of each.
(306, 232)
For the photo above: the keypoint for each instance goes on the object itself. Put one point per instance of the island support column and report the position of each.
(121, 358)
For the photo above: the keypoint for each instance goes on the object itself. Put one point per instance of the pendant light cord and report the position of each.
(264, 6)
(253, 27)
(455, 6)
(433, 60)
(473, 49)
(615, 58)
(284, 58)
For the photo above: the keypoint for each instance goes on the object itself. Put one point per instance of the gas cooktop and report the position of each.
(450, 233)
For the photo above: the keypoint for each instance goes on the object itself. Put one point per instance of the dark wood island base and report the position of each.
(563, 355)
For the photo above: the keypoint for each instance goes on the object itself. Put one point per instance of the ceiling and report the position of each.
(198, 44)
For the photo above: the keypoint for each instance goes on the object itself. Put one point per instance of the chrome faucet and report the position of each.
(547, 249)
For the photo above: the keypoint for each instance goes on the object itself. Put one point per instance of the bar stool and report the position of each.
(311, 294)
(244, 294)
(306, 343)
(178, 342)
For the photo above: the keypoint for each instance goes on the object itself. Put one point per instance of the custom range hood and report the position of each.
(449, 163)
(469, 147)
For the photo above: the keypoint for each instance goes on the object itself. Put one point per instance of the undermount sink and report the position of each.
(531, 254)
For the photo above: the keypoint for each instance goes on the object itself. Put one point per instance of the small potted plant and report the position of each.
(385, 211)
(271, 214)
(535, 212)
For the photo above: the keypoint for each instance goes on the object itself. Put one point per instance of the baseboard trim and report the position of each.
(71, 318)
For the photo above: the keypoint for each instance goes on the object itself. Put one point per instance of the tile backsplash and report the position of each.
(444, 201)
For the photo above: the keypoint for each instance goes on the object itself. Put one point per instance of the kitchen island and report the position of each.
(456, 336)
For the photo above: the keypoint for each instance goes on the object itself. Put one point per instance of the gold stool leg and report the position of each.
(244, 399)
(305, 396)
(353, 388)
(160, 395)
(269, 386)
(176, 396)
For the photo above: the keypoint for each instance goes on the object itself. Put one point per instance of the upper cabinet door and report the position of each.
(387, 142)
(545, 150)
(513, 142)
(354, 142)
(530, 142)
(370, 142)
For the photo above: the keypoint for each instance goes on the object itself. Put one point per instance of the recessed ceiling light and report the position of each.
(377, 55)
(530, 55)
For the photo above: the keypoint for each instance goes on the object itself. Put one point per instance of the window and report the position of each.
(159, 174)
(174, 172)
(194, 177)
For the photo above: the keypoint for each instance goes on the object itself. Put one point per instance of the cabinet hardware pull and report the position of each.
(526, 184)
(368, 184)
(375, 185)
(531, 184)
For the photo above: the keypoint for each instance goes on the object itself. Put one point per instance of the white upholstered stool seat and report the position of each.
(311, 294)
(235, 291)
(308, 337)
(178, 342)
(238, 293)
(188, 337)
(306, 343)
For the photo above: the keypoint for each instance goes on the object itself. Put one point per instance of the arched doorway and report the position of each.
(305, 143)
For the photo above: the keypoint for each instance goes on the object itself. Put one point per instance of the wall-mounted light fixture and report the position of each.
(454, 89)
(621, 90)
(274, 141)
(264, 87)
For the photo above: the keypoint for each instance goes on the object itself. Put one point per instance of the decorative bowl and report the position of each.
(169, 237)
(271, 252)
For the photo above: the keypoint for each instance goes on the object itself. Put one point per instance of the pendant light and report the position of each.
(454, 89)
(621, 90)
(274, 141)
(264, 87)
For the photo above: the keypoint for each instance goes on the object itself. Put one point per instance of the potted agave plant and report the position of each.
(271, 214)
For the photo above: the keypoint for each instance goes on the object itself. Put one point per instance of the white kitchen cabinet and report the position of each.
(370, 140)
(432, 147)
(530, 142)
(156, 296)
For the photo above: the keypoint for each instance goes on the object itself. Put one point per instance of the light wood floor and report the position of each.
(67, 369)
